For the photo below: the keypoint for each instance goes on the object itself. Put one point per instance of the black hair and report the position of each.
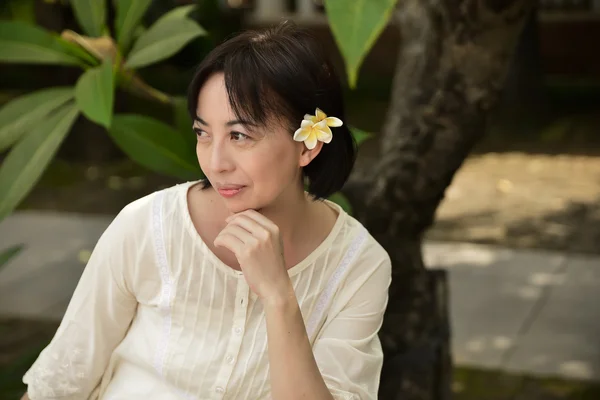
(280, 74)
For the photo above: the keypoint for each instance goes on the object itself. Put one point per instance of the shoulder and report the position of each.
(366, 269)
(368, 249)
(143, 212)
(370, 260)
(156, 201)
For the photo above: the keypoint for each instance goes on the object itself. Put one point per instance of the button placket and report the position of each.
(235, 341)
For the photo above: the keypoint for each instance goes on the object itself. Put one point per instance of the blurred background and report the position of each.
(518, 230)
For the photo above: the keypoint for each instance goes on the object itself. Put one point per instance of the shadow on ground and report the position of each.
(574, 228)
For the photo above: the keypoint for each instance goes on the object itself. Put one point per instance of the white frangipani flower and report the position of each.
(316, 128)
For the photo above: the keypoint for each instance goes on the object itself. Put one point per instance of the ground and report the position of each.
(524, 200)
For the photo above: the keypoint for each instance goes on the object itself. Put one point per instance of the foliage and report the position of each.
(107, 63)
(111, 61)
(356, 25)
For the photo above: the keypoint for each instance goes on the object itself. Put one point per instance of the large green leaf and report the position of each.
(155, 145)
(91, 15)
(183, 121)
(178, 12)
(7, 254)
(27, 160)
(129, 15)
(95, 92)
(356, 25)
(24, 43)
(165, 38)
(21, 114)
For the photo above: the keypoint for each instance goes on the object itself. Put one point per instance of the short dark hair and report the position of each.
(282, 73)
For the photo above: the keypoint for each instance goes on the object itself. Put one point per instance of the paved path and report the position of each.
(520, 311)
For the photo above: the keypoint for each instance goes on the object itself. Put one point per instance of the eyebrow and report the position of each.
(229, 123)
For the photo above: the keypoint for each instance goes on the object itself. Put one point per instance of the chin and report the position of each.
(237, 208)
(239, 204)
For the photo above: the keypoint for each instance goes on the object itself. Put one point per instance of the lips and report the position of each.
(229, 187)
(229, 190)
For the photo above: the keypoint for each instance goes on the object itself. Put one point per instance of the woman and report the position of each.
(242, 285)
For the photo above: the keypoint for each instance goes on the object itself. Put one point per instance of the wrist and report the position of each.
(281, 299)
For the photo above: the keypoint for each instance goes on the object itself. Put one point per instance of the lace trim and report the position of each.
(167, 284)
(60, 370)
(334, 281)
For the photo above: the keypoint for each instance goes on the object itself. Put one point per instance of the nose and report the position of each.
(220, 157)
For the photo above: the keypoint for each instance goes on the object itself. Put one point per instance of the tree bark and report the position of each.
(453, 59)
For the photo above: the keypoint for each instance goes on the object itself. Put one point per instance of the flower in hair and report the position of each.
(316, 128)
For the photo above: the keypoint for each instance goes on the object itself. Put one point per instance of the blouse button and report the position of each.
(238, 330)
(219, 389)
(230, 359)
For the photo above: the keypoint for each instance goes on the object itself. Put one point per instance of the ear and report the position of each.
(306, 155)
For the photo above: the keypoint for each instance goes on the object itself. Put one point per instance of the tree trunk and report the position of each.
(523, 108)
(453, 60)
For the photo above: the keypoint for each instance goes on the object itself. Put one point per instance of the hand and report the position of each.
(257, 245)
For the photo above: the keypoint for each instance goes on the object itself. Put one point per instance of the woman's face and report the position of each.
(250, 167)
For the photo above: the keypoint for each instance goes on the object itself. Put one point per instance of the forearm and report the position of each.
(294, 373)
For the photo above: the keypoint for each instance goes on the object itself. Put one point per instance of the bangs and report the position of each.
(253, 90)
(262, 78)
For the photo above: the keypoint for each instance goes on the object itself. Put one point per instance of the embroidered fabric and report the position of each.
(334, 281)
(167, 285)
(60, 370)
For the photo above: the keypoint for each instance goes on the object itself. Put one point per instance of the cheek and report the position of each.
(200, 154)
(276, 167)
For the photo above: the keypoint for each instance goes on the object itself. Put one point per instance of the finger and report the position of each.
(239, 232)
(259, 218)
(250, 225)
(230, 242)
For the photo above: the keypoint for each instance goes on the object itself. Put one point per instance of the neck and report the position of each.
(289, 212)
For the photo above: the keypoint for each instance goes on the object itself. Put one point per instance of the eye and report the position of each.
(239, 136)
(200, 132)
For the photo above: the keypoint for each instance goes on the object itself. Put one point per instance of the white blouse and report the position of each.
(157, 316)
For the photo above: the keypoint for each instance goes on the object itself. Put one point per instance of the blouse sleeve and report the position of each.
(348, 350)
(96, 320)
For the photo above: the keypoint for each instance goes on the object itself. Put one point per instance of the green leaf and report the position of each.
(95, 92)
(165, 38)
(183, 121)
(178, 12)
(7, 254)
(129, 15)
(359, 135)
(155, 145)
(356, 25)
(341, 200)
(91, 15)
(78, 52)
(21, 114)
(24, 43)
(25, 163)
